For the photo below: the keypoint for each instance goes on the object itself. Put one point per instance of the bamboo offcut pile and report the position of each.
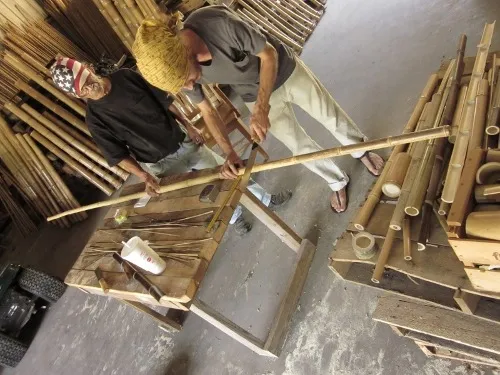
(291, 21)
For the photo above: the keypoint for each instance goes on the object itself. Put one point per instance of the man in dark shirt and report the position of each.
(136, 124)
(216, 46)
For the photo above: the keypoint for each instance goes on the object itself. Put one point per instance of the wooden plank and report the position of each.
(289, 301)
(466, 301)
(271, 220)
(424, 349)
(439, 322)
(462, 204)
(162, 320)
(446, 354)
(484, 280)
(476, 251)
(232, 330)
(398, 331)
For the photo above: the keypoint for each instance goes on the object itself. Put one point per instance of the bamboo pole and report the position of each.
(57, 109)
(444, 208)
(134, 11)
(51, 174)
(25, 117)
(126, 15)
(460, 149)
(407, 239)
(378, 272)
(306, 25)
(457, 115)
(304, 8)
(396, 175)
(91, 154)
(365, 212)
(298, 159)
(492, 128)
(118, 21)
(110, 21)
(19, 216)
(144, 9)
(72, 163)
(480, 110)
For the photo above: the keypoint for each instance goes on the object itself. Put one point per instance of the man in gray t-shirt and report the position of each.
(216, 46)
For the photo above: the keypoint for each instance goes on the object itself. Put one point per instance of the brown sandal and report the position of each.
(337, 195)
(369, 158)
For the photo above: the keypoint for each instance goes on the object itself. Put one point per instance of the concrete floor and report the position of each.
(375, 57)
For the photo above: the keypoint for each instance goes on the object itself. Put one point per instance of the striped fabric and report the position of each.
(69, 75)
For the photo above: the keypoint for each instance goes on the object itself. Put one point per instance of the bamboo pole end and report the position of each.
(412, 211)
(375, 281)
(408, 258)
(421, 246)
(395, 227)
(358, 226)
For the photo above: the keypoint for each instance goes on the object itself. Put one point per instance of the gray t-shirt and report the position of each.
(234, 45)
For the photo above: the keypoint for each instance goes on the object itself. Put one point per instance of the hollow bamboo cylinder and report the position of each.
(51, 174)
(365, 212)
(73, 164)
(487, 193)
(378, 272)
(492, 127)
(407, 239)
(484, 225)
(457, 115)
(91, 154)
(23, 68)
(477, 134)
(25, 117)
(396, 175)
(298, 159)
(493, 156)
(460, 150)
(57, 109)
(444, 208)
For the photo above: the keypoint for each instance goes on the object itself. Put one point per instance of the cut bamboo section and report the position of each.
(461, 145)
(457, 115)
(444, 208)
(55, 108)
(407, 239)
(480, 110)
(483, 225)
(378, 272)
(294, 160)
(73, 164)
(396, 175)
(364, 214)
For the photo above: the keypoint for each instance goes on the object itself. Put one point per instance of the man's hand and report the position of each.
(229, 169)
(152, 186)
(195, 135)
(259, 122)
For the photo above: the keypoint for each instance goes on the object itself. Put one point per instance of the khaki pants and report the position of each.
(305, 90)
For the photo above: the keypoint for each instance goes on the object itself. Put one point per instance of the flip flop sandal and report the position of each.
(338, 200)
(367, 155)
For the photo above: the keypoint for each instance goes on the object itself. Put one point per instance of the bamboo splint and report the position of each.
(461, 144)
(330, 153)
(364, 214)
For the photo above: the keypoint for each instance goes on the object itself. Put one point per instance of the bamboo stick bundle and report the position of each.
(461, 143)
(20, 218)
(457, 115)
(365, 212)
(303, 8)
(25, 56)
(298, 159)
(306, 25)
(91, 154)
(55, 108)
(48, 193)
(134, 11)
(154, 10)
(45, 165)
(72, 163)
(144, 9)
(480, 110)
(70, 130)
(82, 159)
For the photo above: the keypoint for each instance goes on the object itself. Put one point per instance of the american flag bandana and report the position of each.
(69, 75)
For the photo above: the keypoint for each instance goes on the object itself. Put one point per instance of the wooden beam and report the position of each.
(466, 301)
(162, 320)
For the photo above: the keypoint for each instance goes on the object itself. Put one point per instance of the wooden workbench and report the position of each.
(187, 218)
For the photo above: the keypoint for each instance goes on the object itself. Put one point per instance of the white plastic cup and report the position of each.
(138, 252)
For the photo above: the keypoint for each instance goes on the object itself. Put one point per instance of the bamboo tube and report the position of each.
(298, 159)
(25, 117)
(383, 256)
(52, 204)
(124, 12)
(56, 187)
(153, 7)
(407, 239)
(144, 9)
(50, 174)
(72, 131)
(454, 82)
(460, 149)
(19, 217)
(444, 208)
(364, 213)
(110, 21)
(72, 163)
(483, 225)
(134, 11)
(91, 154)
(493, 156)
(118, 21)
(457, 115)
(58, 110)
(300, 22)
(303, 8)
(477, 133)
(26, 57)
(492, 127)
(18, 64)
(396, 175)
(489, 193)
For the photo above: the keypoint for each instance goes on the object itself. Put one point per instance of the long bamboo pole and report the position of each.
(462, 141)
(298, 159)
(407, 239)
(365, 212)
(378, 272)
(480, 110)
(457, 115)
(492, 128)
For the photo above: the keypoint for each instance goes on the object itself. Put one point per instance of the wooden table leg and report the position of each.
(165, 322)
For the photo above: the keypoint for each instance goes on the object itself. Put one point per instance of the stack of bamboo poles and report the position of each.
(291, 21)
(20, 12)
(417, 175)
(86, 27)
(125, 16)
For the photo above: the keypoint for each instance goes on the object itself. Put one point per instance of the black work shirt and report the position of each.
(133, 119)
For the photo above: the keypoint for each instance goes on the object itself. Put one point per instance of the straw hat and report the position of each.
(161, 56)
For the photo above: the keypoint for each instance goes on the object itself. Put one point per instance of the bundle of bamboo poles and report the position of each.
(87, 27)
(291, 21)
(419, 176)
(19, 12)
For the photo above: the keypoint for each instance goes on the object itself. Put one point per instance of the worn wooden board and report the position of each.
(439, 322)
(476, 251)
(484, 280)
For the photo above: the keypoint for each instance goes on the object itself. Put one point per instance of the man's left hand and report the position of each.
(195, 135)
(259, 122)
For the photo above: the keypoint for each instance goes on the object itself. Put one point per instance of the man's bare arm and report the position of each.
(131, 165)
